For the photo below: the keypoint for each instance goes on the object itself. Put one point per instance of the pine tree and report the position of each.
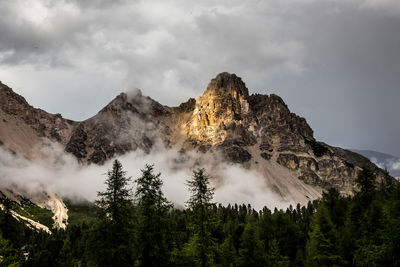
(251, 251)
(322, 245)
(336, 206)
(116, 200)
(366, 181)
(200, 246)
(110, 241)
(152, 226)
(227, 252)
(274, 258)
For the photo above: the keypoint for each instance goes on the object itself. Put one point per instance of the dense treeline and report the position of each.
(142, 228)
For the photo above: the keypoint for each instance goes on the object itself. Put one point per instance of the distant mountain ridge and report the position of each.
(384, 161)
(257, 132)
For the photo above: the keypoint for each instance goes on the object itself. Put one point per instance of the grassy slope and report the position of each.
(31, 211)
(78, 213)
(36, 213)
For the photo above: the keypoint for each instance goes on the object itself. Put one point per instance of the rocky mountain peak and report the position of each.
(226, 83)
(118, 105)
(136, 103)
(223, 105)
(128, 122)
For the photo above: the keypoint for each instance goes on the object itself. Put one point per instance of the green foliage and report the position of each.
(36, 213)
(252, 249)
(8, 256)
(274, 258)
(10, 228)
(201, 193)
(366, 181)
(322, 245)
(201, 245)
(363, 230)
(115, 202)
(81, 212)
(152, 226)
(336, 206)
(110, 241)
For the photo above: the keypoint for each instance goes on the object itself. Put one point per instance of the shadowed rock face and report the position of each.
(125, 124)
(257, 131)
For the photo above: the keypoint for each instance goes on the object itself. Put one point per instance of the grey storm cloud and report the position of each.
(335, 62)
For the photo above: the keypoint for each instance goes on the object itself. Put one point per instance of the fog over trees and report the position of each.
(142, 228)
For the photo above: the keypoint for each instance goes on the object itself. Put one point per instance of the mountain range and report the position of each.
(226, 125)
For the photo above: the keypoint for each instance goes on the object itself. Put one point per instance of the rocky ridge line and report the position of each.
(257, 131)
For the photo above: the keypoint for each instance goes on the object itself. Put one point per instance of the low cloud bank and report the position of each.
(62, 174)
(390, 164)
(395, 165)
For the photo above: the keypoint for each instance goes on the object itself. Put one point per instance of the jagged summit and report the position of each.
(223, 106)
(227, 83)
(134, 102)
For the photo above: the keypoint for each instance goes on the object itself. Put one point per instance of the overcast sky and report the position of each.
(334, 62)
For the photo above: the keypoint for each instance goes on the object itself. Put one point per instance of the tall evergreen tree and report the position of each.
(251, 251)
(274, 258)
(110, 242)
(116, 200)
(366, 181)
(200, 246)
(336, 206)
(322, 245)
(152, 226)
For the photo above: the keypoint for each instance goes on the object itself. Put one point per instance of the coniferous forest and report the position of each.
(142, 228)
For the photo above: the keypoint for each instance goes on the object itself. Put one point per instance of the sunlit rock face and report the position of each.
(228, 117)
(220, 110)
(226, 114)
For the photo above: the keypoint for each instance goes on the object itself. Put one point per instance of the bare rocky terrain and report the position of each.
(257, 132)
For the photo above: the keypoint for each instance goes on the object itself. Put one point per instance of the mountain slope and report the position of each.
(22, 127)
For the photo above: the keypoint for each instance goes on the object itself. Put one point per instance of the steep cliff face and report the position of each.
(222, 108)
(227, 123)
